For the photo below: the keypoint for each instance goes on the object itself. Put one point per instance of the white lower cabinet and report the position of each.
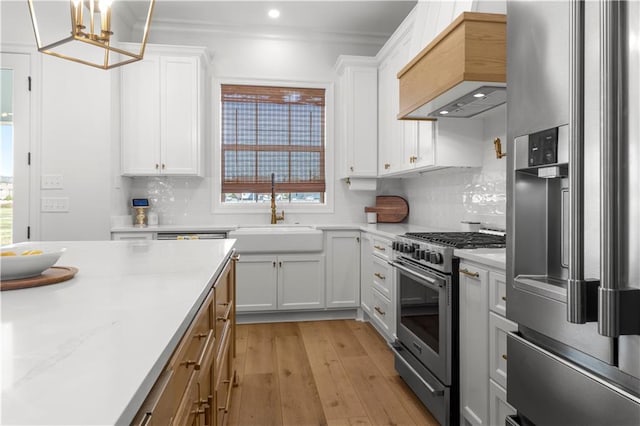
(499, 327)
(474, 339)
(273, 282)
(499, 409)
(132, 235)
(483, 346)
(377, 284)
(343, 269)
(366, 272)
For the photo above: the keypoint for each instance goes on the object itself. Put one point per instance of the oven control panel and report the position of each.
(431, 255)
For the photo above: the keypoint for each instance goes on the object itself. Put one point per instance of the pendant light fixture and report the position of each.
(88, 37)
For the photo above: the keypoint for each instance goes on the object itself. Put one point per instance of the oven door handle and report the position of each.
(431, 389)
(430, 282)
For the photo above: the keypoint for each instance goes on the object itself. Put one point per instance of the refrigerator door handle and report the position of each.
(582, 295)
(618, 312)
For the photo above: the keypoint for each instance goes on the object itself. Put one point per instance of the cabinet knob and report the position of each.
(351, 168)
(157, 166)
(504, 298)
(504, 356)
(162, 166)
(387, 166)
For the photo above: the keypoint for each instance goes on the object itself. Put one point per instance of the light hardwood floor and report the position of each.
(319, 373)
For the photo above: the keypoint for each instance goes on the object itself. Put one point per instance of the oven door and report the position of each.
(424, 316)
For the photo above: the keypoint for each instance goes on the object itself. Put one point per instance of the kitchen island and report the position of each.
(89, 350)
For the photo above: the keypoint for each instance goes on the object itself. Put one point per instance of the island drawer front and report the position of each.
(156, 409)
(224, 382)
(190, 408)
(191, 348)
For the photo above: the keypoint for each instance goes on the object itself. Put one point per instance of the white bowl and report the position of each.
(16, 267)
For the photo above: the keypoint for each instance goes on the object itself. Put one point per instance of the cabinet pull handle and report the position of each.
(380, 311)
(379, 275)
(504, 356)
(207, 351)
(469, 273)
(274, 263)
(188, 363)
(504, 298)
(351, 168)
(200, 336)
(380, 248)
(157, 166)
(280, 264)
(357, 239)
(162, 166)
(387, 166)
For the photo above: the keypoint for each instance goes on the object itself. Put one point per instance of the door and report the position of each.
(343, 269)
(15, 149)
(256, 283)
(180, 115)
(301, 282)
(366, 272)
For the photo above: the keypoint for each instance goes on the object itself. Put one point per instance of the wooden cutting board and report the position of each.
(53, 275)
(390, 209)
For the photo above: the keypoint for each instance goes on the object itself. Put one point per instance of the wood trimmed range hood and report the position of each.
(461, 73)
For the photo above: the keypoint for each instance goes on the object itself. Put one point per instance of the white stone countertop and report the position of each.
(495, 258)
(388, 230)
(87, 351)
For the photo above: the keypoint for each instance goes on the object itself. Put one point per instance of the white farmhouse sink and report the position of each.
(277, 238)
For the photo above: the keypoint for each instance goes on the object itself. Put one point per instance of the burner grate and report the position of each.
(460, 240)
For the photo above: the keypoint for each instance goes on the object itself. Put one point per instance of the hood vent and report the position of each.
(467, 59)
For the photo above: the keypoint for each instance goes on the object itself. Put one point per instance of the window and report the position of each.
(273, 134)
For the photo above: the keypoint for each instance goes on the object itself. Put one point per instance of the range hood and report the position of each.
(461, 73)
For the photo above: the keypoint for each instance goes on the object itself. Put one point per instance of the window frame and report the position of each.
(216, 158)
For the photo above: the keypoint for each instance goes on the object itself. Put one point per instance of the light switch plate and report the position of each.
(54, 204)
(51, 182)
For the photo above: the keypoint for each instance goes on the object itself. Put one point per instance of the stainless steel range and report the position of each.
(426, 352)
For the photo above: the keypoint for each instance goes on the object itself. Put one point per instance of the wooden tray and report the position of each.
(53, 275)
(390, 208)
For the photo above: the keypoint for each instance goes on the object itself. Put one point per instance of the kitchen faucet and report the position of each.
(274, 216)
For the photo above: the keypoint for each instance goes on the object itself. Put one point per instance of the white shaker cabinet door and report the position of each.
(301, 282)
(366, 272)
(256, 283)
(140, 117)
(474, 339)
(180, 92)
(343, 269)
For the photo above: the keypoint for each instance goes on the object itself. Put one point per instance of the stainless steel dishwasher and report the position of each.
(192, 235)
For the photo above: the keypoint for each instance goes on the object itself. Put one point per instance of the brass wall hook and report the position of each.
(498, 147)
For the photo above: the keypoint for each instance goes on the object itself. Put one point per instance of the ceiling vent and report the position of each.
(465, 61)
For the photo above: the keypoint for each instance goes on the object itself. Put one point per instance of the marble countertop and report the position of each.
(495, 258)
(88, 350)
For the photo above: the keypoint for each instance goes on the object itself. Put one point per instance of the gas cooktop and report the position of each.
(460, 240)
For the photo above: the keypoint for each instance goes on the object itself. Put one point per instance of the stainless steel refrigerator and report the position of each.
(573, 212)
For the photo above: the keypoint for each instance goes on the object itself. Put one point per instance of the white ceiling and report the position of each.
(365, 18)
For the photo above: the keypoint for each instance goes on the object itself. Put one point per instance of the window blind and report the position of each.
(268, 130)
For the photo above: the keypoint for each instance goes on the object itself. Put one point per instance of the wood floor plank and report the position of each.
(260, 404)
(343, 339)
(415, 408)
(299, 397)
(381, 402)
(261, 350)
(242, 335)
(375, 346)
(355, 421)
(339, 398)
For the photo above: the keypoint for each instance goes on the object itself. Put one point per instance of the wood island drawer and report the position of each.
(224, 382)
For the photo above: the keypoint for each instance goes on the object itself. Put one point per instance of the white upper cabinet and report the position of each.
(357, 114)
(162, 112)
(407, 146)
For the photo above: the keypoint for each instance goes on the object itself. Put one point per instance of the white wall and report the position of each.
(72, 105)
(443, 198)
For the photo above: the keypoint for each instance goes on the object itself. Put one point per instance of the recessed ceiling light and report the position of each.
(274, 13)
(479, 95)
(444, 112)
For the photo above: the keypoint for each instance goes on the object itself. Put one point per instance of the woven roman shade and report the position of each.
(268, 130)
